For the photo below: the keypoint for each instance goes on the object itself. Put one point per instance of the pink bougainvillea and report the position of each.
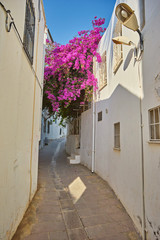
(69, 68)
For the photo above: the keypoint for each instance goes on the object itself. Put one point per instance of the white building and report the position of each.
(51, 129)
(120, 134)
(21, 76)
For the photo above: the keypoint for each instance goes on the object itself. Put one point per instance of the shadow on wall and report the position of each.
(128, 59)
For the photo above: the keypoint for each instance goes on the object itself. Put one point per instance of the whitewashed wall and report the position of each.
(86, 138)
(20, 105)
(55, 130)
(120, 102)
(151, 99)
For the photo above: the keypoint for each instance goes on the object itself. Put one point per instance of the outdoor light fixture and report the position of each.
(122, 40)
(127, 17)
(125, 41)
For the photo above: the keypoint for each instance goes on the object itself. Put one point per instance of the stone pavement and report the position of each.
(72, 204)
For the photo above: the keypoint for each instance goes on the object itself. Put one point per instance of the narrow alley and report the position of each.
(71, 203)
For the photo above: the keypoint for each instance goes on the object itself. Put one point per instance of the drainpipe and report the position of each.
(142, 159)
(33, 117)
(93, 133)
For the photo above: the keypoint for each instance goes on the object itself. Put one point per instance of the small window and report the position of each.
(103, 71)
(100, 116)
(154, 124)
(117, 48)
(60, 131)
(29, 29)
(117, 135)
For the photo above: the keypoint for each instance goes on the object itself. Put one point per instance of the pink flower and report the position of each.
(69, 67)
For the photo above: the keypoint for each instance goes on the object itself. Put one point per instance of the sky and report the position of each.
(65, 18)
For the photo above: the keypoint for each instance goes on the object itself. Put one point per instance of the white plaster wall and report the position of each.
(120, 168)
(151, 68)
(17, 93)
(72, 144)
(119, 101)
(54, 132)
(86, 138)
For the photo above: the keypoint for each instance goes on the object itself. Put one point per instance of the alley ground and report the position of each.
(72, 204)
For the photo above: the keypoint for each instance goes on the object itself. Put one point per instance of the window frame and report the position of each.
(117, 48)
(103, 71)
(29, 30)
(153, 123)
(99, 116)
(117, 147)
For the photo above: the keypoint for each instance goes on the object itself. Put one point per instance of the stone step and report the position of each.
(75, 159)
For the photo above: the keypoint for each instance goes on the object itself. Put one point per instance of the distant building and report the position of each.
(51, 129)
(21, 75)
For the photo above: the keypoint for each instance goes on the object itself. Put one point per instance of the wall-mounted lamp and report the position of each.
(122, 40)
(127, 17)
(125, 41)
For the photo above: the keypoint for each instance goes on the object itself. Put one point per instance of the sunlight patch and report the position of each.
(76, 189)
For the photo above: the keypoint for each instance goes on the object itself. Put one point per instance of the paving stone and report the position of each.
(49, 202)
(38, 236)
(48, 227)
(77, 234)
(43, 217)
(48, 209)
(63, 195)
(85, 212)
(67, 205)
(72, 220)
(95, 232)
(60, 235)
(95, 220)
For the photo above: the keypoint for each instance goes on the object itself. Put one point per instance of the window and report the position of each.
(117, 135)
(154, 124)
(29, 29)
(100, 116)
(60, 131)
(103, 72)
(117, 48)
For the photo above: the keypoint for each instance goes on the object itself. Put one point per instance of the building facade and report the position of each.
(120, 134)
(21, 76)
(51, 129)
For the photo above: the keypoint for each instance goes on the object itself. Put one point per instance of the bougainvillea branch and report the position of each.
(69, 69)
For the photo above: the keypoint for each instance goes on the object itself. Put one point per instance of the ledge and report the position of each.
(154, 142)
(117, 149)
